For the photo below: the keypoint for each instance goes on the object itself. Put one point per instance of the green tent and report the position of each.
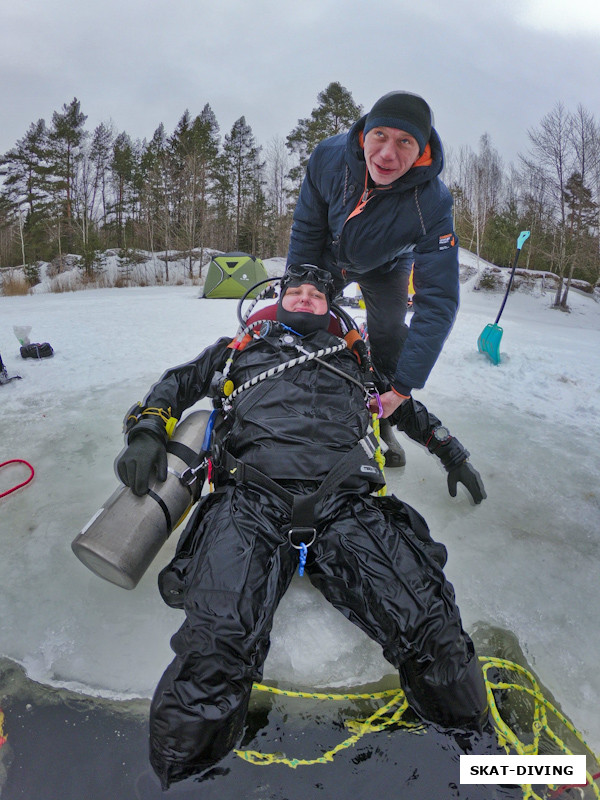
(232, 274)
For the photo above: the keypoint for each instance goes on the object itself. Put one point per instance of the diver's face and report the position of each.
(306, 298)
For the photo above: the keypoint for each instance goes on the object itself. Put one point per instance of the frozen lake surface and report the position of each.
(526, 560)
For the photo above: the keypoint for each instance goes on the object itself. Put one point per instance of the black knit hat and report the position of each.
(402, 110)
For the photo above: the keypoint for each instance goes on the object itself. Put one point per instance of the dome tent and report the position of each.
(230, 275)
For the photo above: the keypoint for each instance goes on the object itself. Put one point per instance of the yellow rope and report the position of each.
(379, 457)
(540, 723)
(392, 711)
(3, 737)
(376, 722)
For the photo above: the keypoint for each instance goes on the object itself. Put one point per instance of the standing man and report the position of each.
(370, 206)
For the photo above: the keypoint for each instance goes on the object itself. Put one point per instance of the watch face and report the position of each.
(442, 434)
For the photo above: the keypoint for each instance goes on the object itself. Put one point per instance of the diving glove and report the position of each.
(466, 474)
(145, 456)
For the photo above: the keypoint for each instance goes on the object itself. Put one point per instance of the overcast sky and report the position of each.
(495, 66)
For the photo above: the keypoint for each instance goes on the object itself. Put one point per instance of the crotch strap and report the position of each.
(302, 524)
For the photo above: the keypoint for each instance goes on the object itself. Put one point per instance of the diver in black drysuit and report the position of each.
(372, 557)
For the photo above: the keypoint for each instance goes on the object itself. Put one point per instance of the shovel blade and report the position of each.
(489, 342)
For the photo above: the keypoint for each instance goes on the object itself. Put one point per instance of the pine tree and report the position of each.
(242, 162)
(582, 210)
(25, 169)
(25, 189)
(8, 235)
(123, 171)
(206, 139)
(177, 145)
(222, 228)
(66, 138)
(253, 232)
(582, 216)
(336, 112)
(194, 146)
(100, 155)
(157, 199)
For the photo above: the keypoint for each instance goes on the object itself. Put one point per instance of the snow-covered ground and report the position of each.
(526, 560)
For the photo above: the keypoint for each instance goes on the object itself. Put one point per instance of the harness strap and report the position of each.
(195, 463)
(243, 473)
(302, 523)
(186, 454)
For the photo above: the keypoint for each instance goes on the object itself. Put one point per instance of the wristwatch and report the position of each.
(441, 434)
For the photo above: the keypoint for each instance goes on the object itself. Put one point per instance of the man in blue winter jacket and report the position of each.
(370, 206)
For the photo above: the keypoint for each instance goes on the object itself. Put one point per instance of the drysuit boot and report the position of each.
(394, 455)
(449, 694)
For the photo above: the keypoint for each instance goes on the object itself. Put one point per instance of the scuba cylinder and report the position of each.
(123, 537)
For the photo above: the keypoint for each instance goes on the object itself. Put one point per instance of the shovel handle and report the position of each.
(523, 236)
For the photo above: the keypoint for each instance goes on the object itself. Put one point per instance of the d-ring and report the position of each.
(295, 531)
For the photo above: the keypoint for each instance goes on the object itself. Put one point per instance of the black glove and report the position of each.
(466, 474)
(145, 454)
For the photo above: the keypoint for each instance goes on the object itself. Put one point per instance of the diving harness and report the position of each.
(301, 531)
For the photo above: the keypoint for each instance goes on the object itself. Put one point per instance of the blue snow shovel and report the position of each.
(489, 338)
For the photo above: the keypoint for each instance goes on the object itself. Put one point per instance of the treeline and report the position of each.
(66, 189)
(554, 192)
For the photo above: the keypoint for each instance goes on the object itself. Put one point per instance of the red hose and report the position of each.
(19, 485)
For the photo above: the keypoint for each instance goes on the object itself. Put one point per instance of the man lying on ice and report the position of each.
(295, 475)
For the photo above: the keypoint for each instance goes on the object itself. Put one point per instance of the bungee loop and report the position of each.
(25, 482)
(302, 549)
(392, 711)
(302, 558)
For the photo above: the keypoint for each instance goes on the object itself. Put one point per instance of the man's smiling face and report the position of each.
(389, 153)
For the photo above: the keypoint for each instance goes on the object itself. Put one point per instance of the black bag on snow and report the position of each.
(37, 350)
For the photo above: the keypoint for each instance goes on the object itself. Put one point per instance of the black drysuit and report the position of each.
(373, 557)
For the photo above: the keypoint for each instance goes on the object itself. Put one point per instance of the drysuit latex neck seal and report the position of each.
(302, 322)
